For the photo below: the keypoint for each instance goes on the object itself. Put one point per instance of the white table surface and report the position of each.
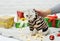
(16, 33)
(2, 38)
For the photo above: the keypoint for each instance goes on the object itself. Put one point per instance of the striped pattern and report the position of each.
(38, 23)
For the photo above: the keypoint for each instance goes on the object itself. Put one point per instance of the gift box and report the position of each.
(21, 21)
(21, 24)
(6, 21)
(52, 21)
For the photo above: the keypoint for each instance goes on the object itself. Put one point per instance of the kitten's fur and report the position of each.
(37, 24)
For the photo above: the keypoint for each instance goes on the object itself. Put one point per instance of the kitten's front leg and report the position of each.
(44, 33)
(40, 32)
(33, 31)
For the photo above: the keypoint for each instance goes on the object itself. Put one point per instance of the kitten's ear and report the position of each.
(34, 10)
(37, 12)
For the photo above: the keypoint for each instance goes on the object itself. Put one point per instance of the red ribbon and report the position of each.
(53, 20)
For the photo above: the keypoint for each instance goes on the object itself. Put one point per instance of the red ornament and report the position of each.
(20, 14)
(51, 37)
(58, 34)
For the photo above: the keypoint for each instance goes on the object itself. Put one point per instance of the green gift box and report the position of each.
(50, 23)
(58, 23)
(17, 25)
(21, 24)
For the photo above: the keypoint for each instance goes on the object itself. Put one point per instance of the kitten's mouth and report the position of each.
(30, 19)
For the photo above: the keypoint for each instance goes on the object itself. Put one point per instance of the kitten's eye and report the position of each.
(27, 15)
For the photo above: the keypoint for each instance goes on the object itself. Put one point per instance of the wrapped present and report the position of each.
(22, 23)
(58, 23)
(6, 21)
(52, 21)
(17, 24)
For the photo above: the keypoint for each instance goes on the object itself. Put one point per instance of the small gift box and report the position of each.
(58, 23)
(52, 21)
(22, 23)
(6, 21)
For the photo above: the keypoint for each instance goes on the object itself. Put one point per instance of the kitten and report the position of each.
(36, 22)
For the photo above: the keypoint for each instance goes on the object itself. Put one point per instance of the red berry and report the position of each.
(51, 37)
(58, 34)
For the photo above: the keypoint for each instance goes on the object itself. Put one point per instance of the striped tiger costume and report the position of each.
(37, 23)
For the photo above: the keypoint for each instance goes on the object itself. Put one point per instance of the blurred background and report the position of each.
(11, 6)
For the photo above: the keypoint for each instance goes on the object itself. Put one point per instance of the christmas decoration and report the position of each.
(6, 21)
(22, 23)
(52, 21)
(58, 34)
(51, 37)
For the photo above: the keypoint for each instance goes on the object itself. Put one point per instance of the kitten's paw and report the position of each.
(46, 32)
(32, 33)
(40, 31)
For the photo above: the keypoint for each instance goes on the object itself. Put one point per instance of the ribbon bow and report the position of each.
(53, 20)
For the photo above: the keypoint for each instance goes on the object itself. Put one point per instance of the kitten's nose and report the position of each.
(29, 17)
